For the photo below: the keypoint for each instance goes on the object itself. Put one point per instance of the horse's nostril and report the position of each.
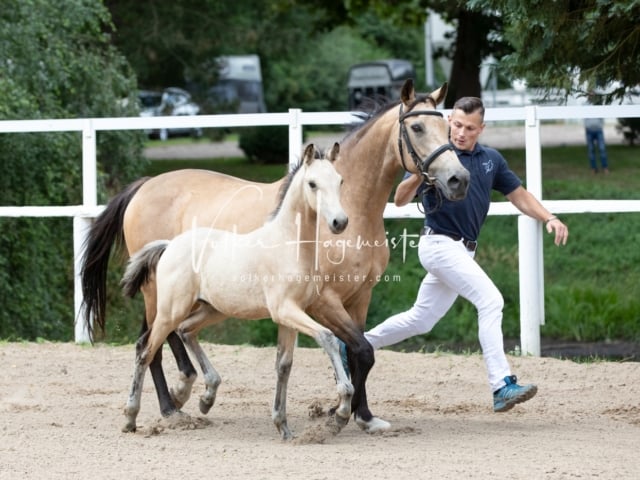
(457, 182)
(459, 185)
(340, 224)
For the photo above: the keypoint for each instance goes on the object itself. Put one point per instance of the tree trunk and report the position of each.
(464, 79)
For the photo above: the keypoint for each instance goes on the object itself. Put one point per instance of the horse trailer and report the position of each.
(239, 86)
(378, 80)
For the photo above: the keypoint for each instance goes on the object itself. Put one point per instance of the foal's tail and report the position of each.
(104, 233)
(141, 265)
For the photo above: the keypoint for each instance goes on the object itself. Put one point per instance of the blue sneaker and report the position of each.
(511, 394)
(343, 357)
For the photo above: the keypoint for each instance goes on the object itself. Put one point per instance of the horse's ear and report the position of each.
(309, 154)
(439, 94)
(335, 151)
(408, 93)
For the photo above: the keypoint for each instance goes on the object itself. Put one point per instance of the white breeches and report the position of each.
(452, 271)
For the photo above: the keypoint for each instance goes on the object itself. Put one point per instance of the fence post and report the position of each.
(89, 165)
(295, 137)
(528, 230)
(81, 225)
(531, 268)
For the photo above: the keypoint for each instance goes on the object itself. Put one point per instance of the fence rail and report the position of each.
(531, 276)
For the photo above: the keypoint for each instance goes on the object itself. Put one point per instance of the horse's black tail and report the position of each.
(103, 234)
(141, 265)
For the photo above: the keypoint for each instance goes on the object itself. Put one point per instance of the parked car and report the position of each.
(171, 101)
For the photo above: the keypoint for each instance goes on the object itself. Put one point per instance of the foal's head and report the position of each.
(321, 185)
(317, 184)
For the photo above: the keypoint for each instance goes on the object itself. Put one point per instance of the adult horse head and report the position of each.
(440, 168)
(413, 136)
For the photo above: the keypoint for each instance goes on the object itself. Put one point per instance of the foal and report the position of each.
(206, 275)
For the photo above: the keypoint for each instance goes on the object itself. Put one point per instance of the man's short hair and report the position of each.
(470, 105)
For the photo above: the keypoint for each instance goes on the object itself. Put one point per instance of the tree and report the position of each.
(56, 63)
(473, 43)
(305, 47)
(476, 36)
(162, 40)
(571, 46)
(170, 42)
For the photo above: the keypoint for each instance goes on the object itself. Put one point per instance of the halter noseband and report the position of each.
(421, 165)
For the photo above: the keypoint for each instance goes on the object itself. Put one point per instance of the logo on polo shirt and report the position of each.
(488, 166)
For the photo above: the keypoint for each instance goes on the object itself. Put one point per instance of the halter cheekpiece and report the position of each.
(421, 165)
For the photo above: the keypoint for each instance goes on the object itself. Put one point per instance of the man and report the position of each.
(594, 131)
(447, 248)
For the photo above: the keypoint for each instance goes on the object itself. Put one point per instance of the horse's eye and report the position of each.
(312, 185)
(417, 128)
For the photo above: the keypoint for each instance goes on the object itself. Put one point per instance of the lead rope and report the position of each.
(420, 197)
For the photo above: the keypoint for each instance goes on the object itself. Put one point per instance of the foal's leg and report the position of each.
(132, 407)
(329, 342)
(169, 400)
(205, 315)
(146, 348)
(284, 360)
(290, 315)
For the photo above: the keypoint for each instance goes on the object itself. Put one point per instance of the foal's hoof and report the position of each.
(180, 395)
(176, 400)
(285, 433)
(205, 405)
(130, 427)
(374, 425)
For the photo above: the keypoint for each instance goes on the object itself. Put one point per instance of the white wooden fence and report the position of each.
(531, 276)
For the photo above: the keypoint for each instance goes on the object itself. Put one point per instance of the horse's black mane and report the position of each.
(377, 108)
(370, 116)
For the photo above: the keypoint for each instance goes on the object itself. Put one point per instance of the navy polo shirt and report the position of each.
(488, 171)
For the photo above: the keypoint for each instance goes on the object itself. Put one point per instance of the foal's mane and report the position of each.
(284, 188)
(378, 110)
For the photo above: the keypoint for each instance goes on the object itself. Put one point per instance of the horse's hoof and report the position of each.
(205, 405)
(374, 425)
(130, 427)
(169, 412)
(342, 421)
(179, 396)
(285, 433)
(175, 400)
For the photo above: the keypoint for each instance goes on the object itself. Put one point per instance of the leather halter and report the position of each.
(421, 165)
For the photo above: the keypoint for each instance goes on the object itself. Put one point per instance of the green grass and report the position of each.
(187, 140)
(591, 285)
